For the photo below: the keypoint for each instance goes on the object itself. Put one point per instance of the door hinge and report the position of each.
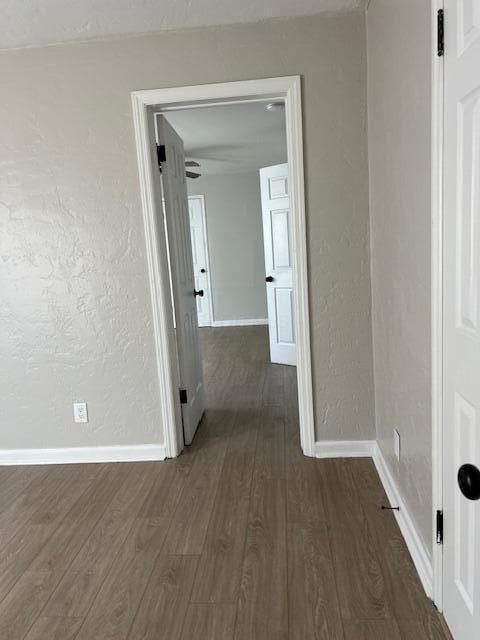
(161, 153)
(439, 527)
(183, 396)
(440, 33)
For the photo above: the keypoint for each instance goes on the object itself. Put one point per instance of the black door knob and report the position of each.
(198, 293)
(469, 481)
(269, 279)
(203, 271)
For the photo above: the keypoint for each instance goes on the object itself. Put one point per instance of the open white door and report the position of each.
(277, 238)
(201, 266)
(461, 424)
(172, 162)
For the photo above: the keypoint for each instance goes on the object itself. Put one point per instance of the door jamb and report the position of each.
(201, 197)
(437, 346)
(286, 88)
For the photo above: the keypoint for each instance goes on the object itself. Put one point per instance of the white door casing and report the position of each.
(183, 283)
(277, 238)
(287, 88)
(461, 420)
(201, 264)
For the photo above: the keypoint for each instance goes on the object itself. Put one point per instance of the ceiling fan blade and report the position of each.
(191, 163)
(190, 174)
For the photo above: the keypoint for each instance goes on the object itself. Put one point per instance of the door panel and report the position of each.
(179, 239)
(201, 265)
(277, 237)
(461, 313)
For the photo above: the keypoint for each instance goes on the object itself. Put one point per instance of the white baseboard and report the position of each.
(420, 556)
(119, 453)
(244, 322)
(344, 448)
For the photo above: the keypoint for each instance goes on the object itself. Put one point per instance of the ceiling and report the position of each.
(36, 22)
(231, 139)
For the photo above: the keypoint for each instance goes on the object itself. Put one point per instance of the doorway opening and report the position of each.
(262, 309)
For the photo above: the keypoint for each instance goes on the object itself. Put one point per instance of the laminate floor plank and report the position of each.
(54, 628)
(262, 604)
(270, 462)
(313, 606)
(220, 565)
(17, 480)
(360, 581)
(76, 591)
(115, 606)
(187, 532)
(209, 622)
(373, 630)
(64, 488)
(42, 501)
(432, 628)
(163, 608)
(29, 595)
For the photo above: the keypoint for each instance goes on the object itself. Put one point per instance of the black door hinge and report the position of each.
(183, 396)
(440, 33)
(439, 527)
(161, 153)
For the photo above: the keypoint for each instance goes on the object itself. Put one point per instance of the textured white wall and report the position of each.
(235, 241)
(399, 53)
(75, 313)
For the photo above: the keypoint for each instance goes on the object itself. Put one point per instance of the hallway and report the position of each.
(240, 538)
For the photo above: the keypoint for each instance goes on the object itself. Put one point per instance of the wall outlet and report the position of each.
(396, 443)
(80, 412)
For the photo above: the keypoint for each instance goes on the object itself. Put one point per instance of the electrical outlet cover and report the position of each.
(80, 412)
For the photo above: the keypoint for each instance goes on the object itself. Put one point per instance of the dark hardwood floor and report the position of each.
(240, 538)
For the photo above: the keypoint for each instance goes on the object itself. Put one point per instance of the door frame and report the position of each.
(437, 311)
(201, 197)
(287, 89)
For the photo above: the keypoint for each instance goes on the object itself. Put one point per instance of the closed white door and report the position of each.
(201, 267)
(177, 217)
(462, 319)
(277, 238)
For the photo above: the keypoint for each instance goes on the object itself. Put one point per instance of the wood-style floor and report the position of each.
(240, 538)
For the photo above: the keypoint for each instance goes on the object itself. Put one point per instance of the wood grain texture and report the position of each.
(81, 582)
(54, 628)
(209, 622)
(163, 607)
(360, 580)
(373, 630)
(241, 537)
(261, 611)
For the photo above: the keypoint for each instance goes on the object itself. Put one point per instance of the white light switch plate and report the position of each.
(80, 412)
(396, 443)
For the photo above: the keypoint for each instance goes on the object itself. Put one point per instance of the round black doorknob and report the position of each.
(469, 481)
(203, 271)
(198, 293)
(269, 279)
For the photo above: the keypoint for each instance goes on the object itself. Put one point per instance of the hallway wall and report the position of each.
(233, 212)
(399, 122)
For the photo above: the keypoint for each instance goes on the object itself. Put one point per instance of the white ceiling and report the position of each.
(36, 22)
(233, 138)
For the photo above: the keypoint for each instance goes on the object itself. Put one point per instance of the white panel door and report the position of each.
(201, 267)
(462, 317)
(277, 238)
(183, 282)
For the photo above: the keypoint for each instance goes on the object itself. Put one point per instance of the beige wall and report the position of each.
(235, 240)
(399, 53)
(75, 313)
